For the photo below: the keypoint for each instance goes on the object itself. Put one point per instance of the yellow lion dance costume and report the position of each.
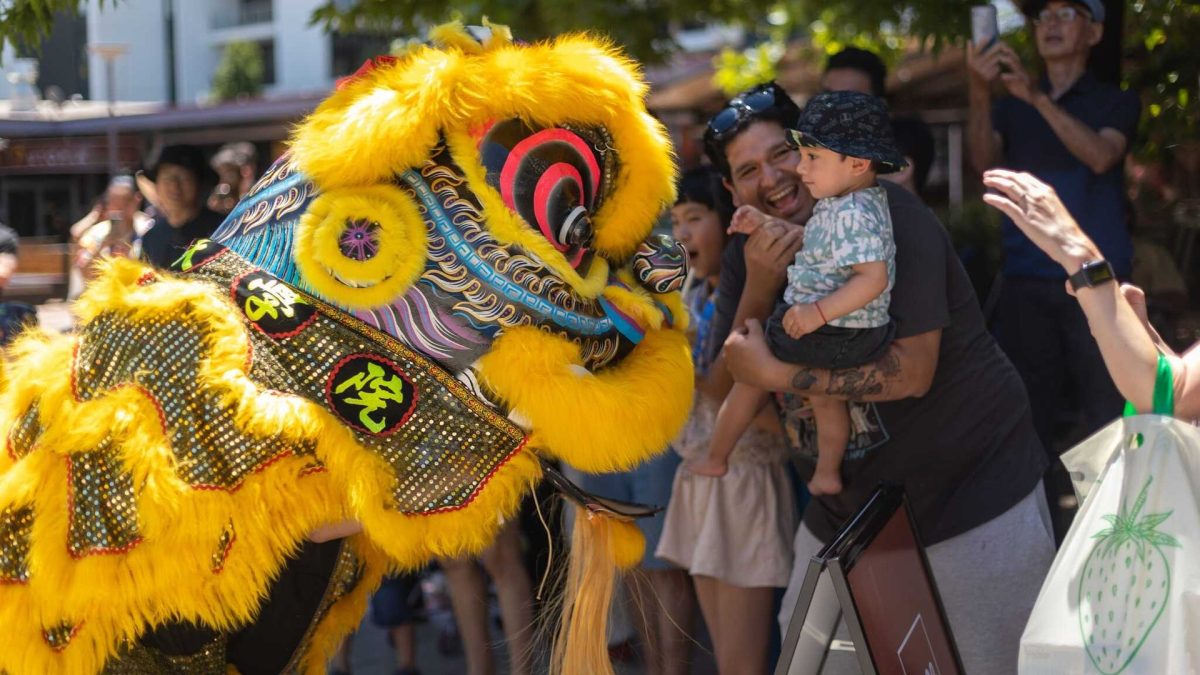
(450, 275)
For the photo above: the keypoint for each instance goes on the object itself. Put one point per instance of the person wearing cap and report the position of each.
(1072, 131)
(941, 412)
(182, 218)
(847, 263)
(855, 69)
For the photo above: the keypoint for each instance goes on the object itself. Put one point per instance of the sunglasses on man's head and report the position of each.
(753, 102)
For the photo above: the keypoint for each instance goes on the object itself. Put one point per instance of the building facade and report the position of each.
(58, 141)
(174, 46)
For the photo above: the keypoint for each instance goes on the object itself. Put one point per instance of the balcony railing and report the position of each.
(246, 14)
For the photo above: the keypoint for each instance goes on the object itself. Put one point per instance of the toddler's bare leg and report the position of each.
(735, 416)
(833, 434)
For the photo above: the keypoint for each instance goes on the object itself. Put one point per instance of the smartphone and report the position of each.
(985, 27)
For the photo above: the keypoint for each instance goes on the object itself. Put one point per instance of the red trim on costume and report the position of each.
(479, 488)
(91, 550)
(8, 443)
(74, 369)
(258, 469)
(313, 469)
(225, 554)
(162, 416)
(364, 69)
(71, 636)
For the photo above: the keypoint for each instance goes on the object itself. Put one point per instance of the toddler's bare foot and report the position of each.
(825, 484)
(708, 467)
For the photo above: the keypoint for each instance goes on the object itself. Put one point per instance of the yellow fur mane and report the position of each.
(166, 576)
(389, 120)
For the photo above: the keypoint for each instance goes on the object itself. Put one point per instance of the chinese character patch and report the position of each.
(271, 305)
(370, 393)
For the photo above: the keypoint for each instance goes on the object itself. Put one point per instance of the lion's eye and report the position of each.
(550, 177)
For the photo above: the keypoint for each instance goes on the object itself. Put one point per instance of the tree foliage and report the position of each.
(1161, 64)
(640, 26)
(28, 21)
(240, 73)
(1164, 67)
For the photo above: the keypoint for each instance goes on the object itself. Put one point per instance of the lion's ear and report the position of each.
(361, 247)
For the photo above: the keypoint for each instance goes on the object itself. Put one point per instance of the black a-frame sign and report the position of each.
(875, 575)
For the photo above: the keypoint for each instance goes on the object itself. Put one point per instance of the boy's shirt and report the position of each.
(843, 232)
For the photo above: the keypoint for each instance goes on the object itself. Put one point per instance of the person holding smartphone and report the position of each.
(120, 233)
(1072, 131)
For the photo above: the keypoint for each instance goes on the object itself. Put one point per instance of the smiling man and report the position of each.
(942, 411)
(1072, 131)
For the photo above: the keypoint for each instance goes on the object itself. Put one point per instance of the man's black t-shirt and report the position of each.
(966, 451)
(163, 244)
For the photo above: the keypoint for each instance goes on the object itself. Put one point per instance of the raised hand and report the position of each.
(1036, 209)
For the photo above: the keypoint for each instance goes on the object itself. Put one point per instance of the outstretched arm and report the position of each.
(1130, 351)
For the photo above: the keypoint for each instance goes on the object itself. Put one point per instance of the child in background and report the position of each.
(835, 310)
(733, 535)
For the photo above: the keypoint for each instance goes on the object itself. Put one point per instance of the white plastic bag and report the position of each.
(1123, 594)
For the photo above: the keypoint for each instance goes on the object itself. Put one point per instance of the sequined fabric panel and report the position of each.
(103, 514)
(24, 433)
(60, 636)
(15, 525)
(347, 574)
(441, 455)
(161, 357)
(140, 660)
(448, 445)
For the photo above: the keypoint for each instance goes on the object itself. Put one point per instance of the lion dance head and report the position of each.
(450, 276)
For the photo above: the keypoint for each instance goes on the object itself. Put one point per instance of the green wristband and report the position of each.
(1164, 391)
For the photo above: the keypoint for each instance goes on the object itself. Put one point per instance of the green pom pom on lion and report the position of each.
(449, 278)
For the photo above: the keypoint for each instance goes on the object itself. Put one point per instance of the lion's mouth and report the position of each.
(353, 284)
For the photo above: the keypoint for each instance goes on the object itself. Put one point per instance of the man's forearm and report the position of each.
(905, 370)
(753, 304)
(880, 380)
(1095, 151)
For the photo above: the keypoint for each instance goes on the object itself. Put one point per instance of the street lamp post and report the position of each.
(109, 51)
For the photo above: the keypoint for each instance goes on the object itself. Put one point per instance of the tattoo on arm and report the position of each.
(804, 379)
(866, 381)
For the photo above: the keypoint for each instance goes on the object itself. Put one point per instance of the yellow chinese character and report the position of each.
(374, 393)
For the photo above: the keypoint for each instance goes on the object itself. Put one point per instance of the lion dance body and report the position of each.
(449, 275)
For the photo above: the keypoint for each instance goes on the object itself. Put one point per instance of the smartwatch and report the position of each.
(1093, 273)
